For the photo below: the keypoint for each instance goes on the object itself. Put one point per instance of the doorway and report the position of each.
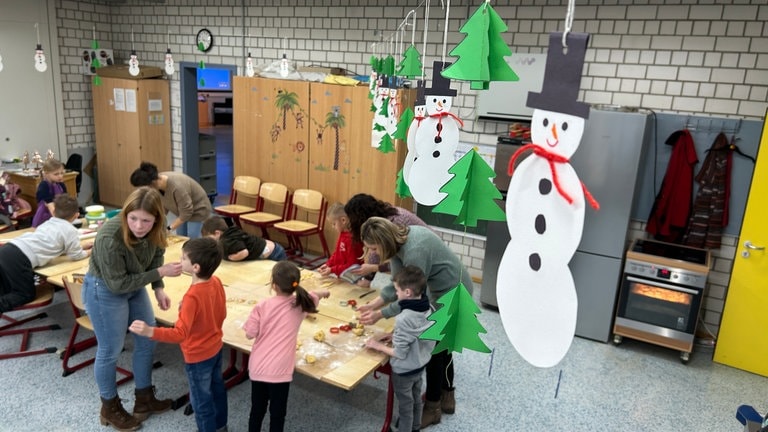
(206, 110)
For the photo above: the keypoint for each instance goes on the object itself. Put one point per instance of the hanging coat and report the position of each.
(672, 207)
(710, 207)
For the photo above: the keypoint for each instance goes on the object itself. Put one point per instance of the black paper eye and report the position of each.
(546, 122)
(564, 127)
(434, 100)
(445, 101)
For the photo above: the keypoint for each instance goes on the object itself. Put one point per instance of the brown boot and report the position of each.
(431, 414)
(147, 404)
(113, 414)
(448, 402)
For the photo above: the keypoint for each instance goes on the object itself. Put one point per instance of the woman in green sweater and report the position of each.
(127, 255)
(420, 247)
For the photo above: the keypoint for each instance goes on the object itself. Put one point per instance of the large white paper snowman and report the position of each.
(436, 141)
(545, 216)
(420, 112)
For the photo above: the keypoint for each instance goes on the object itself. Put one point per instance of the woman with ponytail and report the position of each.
(274, 325)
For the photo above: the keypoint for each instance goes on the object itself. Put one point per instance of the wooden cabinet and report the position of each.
(312, 135)
(132, 122)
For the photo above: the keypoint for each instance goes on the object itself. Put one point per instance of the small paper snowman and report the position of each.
(545, 215)
(1, 63)
(133, 64)
(436, 141)
(420, 111)
(170, 68)
(379, 123)
(40, 64)
(249, 71)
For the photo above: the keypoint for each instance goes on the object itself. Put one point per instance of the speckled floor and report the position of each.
(633, 387)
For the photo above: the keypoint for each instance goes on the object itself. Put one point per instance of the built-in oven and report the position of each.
(661, 294)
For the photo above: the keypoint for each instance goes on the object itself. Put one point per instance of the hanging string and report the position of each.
(424, 44)
(445, 30)
(413, 28)
(568, 21)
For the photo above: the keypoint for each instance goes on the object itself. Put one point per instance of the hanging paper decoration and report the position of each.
(388, 66)
(170, 68)
(386, 145)
(420, 109)
(95, 63)
(1, 63)
(249, 70)
(456, 326)
(471, 196)
(545, 214)
(411, 66)
(436, 141)
(380, 106)
(401, 131)
(401, 187)
(133, 62)
(40, 63)
(481, 53)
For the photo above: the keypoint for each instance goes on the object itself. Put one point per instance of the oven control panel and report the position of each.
(665, 274)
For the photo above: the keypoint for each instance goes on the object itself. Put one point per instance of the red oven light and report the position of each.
(663, 273)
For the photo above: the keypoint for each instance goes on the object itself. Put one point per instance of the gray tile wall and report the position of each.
(704, 57)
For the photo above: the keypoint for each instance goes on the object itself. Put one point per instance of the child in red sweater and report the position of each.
(347, 252)
(198, 331)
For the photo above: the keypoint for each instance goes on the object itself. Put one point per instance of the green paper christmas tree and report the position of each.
(470, 193)
(481, 53)
(401, 188)
(95, 63)
(411, 65)
(455, 324)
(388, 66)
(386, 145)
(384, 111)
(403, 124)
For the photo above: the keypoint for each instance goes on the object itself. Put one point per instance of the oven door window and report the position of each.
(660, 304)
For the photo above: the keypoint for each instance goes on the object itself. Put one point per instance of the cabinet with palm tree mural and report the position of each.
(312, 135)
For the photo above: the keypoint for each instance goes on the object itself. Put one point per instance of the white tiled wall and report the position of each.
(704, 57)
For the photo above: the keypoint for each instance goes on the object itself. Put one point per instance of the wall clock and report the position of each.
(204, 40)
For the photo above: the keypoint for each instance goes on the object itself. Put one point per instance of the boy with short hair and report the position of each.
(239, 245)
(198, 330)
(347, 252)
(21, 255)
(409, 355)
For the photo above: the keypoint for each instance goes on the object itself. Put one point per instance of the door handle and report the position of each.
(748, 244)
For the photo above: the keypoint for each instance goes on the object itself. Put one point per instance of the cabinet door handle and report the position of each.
(748, 244)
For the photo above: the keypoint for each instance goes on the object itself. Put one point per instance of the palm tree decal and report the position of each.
(286, 101)
(335, 120)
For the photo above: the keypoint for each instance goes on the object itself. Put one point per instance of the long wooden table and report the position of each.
(342, 360)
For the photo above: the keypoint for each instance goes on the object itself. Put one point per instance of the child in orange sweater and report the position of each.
(198, 331)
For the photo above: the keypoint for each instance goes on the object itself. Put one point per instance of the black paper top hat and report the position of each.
(420, 98)
(562, 76)
(441, 86)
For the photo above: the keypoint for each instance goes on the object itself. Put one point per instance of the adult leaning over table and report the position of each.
(181, 194)
(418, 246)
(127, 255)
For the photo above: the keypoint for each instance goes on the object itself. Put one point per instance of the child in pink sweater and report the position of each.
(274, 325)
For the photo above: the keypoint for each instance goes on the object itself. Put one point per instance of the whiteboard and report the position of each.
(507, 100)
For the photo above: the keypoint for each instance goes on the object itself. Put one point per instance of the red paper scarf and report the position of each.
(440, 120)
(551, 159)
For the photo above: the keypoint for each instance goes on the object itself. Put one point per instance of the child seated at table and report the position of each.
(21, 255)
(347, 252)
(239, 245)
(198, 331)
(408, 354)
(273, 324)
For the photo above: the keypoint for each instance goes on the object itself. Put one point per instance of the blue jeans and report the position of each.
(207, 393)
(278, 253)
(111, 314)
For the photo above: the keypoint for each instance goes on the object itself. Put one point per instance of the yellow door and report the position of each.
(742, 339)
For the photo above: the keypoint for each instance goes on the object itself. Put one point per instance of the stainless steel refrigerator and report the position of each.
(608, 162)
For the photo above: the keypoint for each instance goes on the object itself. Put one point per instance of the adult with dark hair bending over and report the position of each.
(417, 246)
(181, 195)
(363, 206)
(127, 255)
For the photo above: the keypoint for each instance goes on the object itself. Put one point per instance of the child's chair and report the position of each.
(312, 205)
(275, 197)
(75, 293)
(43, 297)
(243, 199)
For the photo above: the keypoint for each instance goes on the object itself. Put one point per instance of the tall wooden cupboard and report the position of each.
(312, 135)
(132, 122)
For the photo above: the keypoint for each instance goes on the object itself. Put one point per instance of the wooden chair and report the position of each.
(313, 205)
(274, 195)
(43, 297)
(75, 294)
(244, 189)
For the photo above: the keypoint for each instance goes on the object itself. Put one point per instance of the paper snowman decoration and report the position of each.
(133, 64)
(40, 64)
(170, 68)
(545, 217)
(249, 71)
(420, 110)
(379, 123)
(393, 112)
(436, 141)
(284, 66)
(1, 63)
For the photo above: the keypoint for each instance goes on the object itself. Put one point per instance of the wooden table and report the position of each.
(58, 266)
(28, 181)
